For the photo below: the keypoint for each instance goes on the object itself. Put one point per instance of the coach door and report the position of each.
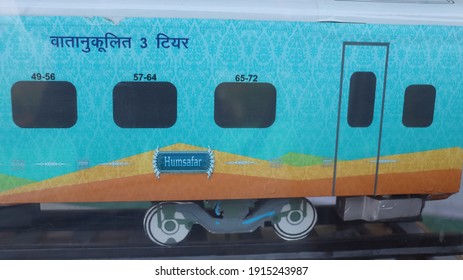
(360, 116)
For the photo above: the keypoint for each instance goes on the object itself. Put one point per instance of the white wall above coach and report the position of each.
(440, 12)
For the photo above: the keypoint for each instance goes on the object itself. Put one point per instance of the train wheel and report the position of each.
(297, 219)
(165, 225)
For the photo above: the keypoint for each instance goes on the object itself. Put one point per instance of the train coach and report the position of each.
(232, 114)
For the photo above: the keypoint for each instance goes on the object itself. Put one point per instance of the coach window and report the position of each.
(145, 104)
(245, 105)
(419, 105)
(361, 99)
(41, 104)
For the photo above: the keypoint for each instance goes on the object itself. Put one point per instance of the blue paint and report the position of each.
(218, 209)
(301, 59)
(258, 218)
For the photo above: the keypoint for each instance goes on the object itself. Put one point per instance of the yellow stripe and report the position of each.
(227, 163)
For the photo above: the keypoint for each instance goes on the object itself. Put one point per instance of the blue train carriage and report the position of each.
(230, 115)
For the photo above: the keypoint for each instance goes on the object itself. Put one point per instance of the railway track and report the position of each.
(118, 234)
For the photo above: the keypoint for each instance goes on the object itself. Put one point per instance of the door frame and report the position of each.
(344, 46)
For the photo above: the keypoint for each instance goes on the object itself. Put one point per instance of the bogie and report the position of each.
(170, 223)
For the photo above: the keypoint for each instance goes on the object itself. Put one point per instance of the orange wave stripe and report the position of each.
(425, 182)
(225, 186)
(356, 175)
(428, 182)
(175, 187)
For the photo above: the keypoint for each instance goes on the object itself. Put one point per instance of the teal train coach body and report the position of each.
(216, 101)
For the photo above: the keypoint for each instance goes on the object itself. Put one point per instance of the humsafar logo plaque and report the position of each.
(183, 162)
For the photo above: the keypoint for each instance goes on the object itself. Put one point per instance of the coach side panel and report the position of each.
(196, 147)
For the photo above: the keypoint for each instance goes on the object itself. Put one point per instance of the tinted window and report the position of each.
(145, 104)
(361, 99)
(44, 104)
(245, 105)
(419, 106)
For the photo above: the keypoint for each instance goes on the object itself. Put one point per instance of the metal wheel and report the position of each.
(165, 225)
(297, 219)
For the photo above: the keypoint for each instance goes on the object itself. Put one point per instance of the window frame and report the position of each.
(228, 89)
(119, 94)
(410, 120)
(47, 88)
(358, 115)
